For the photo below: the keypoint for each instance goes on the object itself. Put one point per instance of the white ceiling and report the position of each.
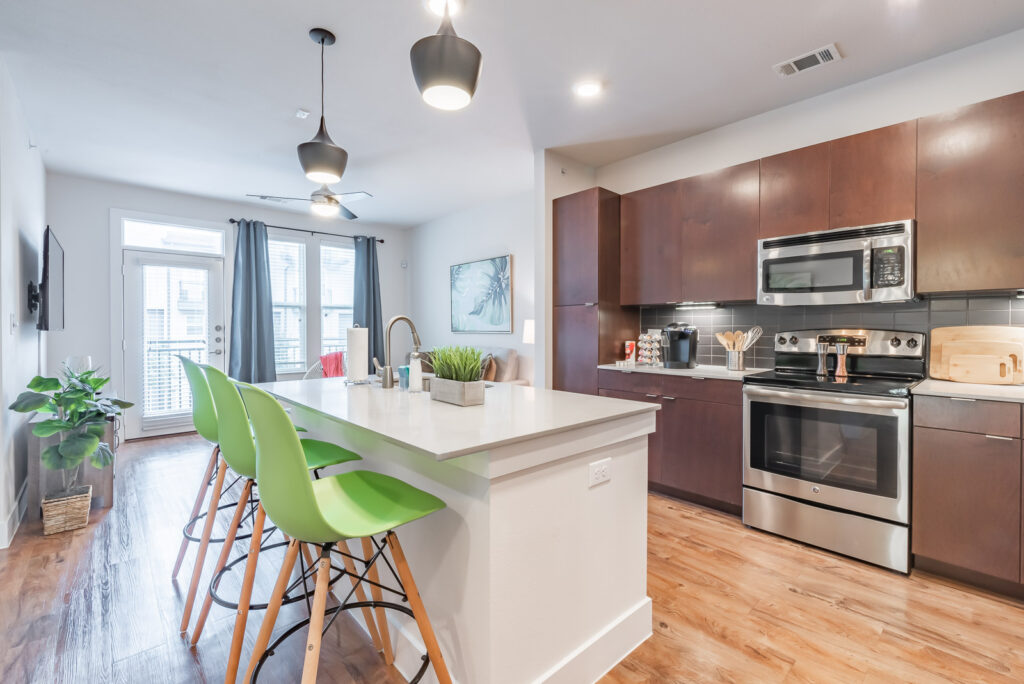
(200, 97)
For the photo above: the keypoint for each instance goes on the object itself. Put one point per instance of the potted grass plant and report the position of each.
(457, 376)
(80, 419)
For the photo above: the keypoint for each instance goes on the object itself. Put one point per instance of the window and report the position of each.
(337, 270)
(288, 289)
(171, 238)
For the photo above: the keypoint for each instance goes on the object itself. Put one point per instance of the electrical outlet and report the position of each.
(600, 471)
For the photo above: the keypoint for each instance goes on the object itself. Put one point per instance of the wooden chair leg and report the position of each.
(225, 554)
(350, 568)
(418, 610)
(241, 617)
(316, 619)
(381, 613)
(270, 617)
(203, 486)
(197, 571)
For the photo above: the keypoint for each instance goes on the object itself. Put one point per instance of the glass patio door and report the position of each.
(173, 305)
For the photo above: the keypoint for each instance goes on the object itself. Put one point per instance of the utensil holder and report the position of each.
(734, 360)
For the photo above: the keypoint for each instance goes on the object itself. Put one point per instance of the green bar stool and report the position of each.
(238, 450)
(354, 505)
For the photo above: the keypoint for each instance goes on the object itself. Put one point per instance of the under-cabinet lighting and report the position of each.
(1020, 294)
(693, 306)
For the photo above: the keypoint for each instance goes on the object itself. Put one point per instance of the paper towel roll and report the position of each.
(357, 354)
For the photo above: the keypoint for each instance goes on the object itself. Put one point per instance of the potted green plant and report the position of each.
(80, 419)
(457, 376)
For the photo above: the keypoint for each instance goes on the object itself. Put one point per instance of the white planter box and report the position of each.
(458, 393)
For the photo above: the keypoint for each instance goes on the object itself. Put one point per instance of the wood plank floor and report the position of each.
(730, 604)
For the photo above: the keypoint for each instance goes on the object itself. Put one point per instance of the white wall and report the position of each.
(78, 210)
(979, 72)
(22, 190)
(502, 226)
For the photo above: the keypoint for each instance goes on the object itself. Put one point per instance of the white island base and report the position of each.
(530, 574)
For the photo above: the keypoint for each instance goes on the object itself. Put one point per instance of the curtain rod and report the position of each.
(311, 232)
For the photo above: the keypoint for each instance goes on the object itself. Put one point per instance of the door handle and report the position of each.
(218, 351)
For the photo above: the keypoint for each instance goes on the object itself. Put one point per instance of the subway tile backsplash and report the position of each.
(919, 316)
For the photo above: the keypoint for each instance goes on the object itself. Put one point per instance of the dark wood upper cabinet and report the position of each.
(651, 245)
(967, 501)
(720, 225)
(970, 198)
(872, 176)
(586, 244)
(794, 192)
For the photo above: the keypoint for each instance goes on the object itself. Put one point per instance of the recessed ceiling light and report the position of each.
(437, 7)
(587, 88)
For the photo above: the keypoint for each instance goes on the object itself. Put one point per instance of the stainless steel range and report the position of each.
(826, 441)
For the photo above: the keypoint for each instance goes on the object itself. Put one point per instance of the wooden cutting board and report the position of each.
(992, 352)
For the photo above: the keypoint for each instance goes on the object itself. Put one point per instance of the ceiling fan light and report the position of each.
(326, 209)
(446, 68)
(322, 160)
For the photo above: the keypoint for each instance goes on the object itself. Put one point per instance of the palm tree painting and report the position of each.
(482, 296)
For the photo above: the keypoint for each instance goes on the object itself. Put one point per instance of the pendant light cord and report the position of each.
(321, 78)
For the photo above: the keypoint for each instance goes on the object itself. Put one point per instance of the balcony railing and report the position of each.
(165, 388)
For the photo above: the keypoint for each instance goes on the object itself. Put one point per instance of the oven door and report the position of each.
(847, 451)
(822, 273)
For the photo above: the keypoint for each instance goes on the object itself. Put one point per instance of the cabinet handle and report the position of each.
(961, 399)
(589, 303)
(669, 398)
(1007, 439)
(651, 396)
(696, 377)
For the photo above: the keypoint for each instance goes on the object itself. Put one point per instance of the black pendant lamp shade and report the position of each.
(446, 67)
(322, 160)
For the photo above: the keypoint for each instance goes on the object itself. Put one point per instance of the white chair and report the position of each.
(314, 371)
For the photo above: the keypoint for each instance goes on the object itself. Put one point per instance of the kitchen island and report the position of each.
(530, 574)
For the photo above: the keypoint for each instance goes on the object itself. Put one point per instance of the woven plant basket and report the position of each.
(67, 510)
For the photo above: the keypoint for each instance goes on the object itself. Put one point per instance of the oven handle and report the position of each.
(826, 398)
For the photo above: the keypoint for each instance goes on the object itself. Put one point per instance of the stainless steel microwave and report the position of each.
(841, 266)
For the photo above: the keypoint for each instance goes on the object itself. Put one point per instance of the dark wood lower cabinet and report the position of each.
(702, 449)
(654, 443)
(967, 501)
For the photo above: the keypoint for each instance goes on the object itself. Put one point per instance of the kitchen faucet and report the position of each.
(387, 380)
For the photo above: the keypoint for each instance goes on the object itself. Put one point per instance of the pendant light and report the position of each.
(446, 67)
(322, 160)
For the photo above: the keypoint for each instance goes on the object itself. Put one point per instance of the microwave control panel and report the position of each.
(887, 266)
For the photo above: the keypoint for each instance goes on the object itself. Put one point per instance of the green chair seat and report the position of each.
(321, 454)
(362, 503)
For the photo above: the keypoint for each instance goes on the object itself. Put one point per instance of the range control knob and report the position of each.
(782, 340)
(912, 343)
(793, 340)
(895, 341)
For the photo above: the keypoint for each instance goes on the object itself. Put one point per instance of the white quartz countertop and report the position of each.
(718, 372)
(510, 413)
(969, 390)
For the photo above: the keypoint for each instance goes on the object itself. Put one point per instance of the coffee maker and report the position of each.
(679, 345)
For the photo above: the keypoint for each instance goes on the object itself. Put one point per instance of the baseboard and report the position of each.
(15, 517)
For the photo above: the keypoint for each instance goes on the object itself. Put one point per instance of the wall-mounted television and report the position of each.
(51, 287)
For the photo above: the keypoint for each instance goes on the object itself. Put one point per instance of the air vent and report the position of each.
(815, 58)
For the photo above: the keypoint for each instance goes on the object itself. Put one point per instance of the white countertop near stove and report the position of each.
(716, 372)
(970, 390)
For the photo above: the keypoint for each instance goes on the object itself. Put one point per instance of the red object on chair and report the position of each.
(333, 364)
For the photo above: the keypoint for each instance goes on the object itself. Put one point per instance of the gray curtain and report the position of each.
(366, 304)
(252, 313)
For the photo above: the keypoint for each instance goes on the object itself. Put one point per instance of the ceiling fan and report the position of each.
(324, 201)
(322, 160)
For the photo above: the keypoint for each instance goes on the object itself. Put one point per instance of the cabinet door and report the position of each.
(651, 245)
(970, 175)
(966, 501)
(794, 192)
(702, 449)
(720, 211)
(575, 337)
(575, 248)
(872, 176)
(653, 440)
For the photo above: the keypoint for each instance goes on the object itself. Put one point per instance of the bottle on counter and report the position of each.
(415, 374)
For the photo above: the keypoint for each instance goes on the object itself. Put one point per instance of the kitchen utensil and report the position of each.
(729, 338)
(987, 369)
(722, 341)
(753, 335)
(996, 341)
(737, 341)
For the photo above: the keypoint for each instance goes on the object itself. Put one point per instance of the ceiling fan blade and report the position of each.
(346, 213)
(286, 199)
(352, 196)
